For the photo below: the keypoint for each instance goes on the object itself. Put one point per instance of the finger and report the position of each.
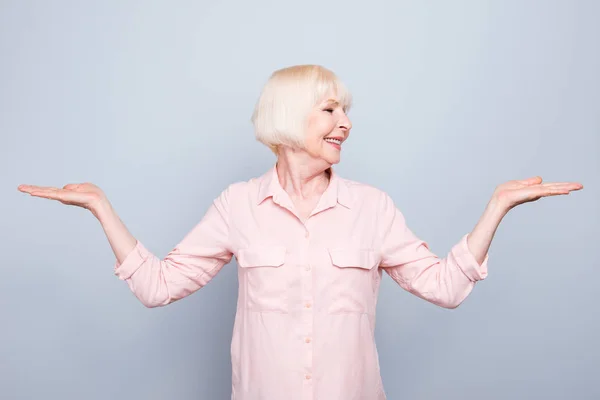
(51, 192)
(561, 183)
(48, 194)
(29, 188)
(25, 188)
(553, 191)
(564, 185)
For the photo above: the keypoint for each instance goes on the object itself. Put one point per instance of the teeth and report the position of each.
(336, 141)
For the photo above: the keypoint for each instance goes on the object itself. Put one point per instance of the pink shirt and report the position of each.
(305, 320)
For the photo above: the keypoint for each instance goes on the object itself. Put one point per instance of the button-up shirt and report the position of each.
(305, 319)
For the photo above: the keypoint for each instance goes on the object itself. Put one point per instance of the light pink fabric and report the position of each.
(304, 327)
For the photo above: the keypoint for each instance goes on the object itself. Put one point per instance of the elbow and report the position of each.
(452, 296)
(444, 302)
(154, 302)
(452, 302)
(149, 304)
(443, 299)
(440, 298)
(450, 305)
(157, 294)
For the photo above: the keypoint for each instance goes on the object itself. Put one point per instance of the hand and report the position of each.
(513, 193)
(85, 195)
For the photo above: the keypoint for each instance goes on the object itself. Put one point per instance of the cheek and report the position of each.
(318, 127)
(322, 127)
(314, 143)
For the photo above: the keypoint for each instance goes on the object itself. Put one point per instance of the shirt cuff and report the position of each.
(468, 264)
(132, 262)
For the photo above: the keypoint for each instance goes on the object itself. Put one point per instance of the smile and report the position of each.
(335, 141)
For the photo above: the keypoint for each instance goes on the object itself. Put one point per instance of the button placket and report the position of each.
(307, 317)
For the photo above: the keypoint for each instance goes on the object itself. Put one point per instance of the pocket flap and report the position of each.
(353, 258)
(261, 256)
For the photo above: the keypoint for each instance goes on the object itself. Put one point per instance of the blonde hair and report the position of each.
(281, 111)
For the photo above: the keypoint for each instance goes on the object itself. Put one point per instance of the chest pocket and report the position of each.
(264, 277)
(354, 280)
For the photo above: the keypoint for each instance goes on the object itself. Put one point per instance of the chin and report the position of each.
(333, 160)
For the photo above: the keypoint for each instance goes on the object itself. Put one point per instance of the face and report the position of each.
(328, 127)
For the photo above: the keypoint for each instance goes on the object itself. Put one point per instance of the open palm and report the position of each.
(85, 195)
(513, 193)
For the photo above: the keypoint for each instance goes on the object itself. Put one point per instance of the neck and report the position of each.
(300, 175)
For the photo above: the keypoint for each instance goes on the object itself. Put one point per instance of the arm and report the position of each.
(480, 238)
(506, 197)
(120, 239)
(189, 266)
(447, 282)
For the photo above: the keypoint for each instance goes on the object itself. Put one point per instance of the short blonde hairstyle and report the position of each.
(281, 111)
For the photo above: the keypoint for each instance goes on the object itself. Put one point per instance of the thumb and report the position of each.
(531, 181)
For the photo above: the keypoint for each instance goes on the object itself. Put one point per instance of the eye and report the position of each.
(329, 110)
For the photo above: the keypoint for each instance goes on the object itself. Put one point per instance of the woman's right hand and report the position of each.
(85, 195)
(91, 197)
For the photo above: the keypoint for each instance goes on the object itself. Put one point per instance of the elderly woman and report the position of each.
(311, 248)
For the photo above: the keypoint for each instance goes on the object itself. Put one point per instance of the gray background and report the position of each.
(151, 101)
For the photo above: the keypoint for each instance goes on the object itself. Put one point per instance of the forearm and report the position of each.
(480, 239)
(120, 239)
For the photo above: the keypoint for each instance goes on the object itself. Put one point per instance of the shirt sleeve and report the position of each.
(189, 266)
(408, 260)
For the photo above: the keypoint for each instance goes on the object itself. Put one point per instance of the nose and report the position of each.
(345, 123)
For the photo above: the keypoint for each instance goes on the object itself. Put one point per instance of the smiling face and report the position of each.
(301, 115)
(327, 127)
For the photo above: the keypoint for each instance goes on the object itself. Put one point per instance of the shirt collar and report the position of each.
(337, 191)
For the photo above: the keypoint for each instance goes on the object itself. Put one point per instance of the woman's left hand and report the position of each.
(513, 193)
(505, 197)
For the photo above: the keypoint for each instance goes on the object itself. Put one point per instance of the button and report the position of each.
(307, 268)
(306, 234)
(307, 305)
(307, 340)
(307, 377)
